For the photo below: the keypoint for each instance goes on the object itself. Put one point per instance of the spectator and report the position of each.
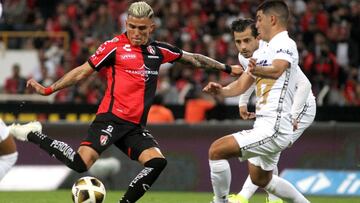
(320, 65)
(202, 27)
(15, 84)
(158, 113)
(197, 105)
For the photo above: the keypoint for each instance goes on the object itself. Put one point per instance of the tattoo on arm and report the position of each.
(208, 62)
(202, 61)
(71, 78)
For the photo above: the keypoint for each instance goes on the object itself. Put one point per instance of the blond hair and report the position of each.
(140, 9)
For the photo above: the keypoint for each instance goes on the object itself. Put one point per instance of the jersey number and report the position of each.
(263, 87)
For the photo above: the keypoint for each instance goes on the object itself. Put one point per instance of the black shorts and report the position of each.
(130, 138)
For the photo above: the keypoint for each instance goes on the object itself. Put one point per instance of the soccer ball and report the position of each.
(88, 190)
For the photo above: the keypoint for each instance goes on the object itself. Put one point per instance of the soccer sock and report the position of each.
(248, 189)
(282, 188)
(4, 130)
(271, 196)
(60, 150)
(143, 181)
(6, 162)
(220, 178)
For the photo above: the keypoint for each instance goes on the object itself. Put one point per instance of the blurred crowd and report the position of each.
(327, 33)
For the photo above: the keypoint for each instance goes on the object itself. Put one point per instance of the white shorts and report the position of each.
(4, 131)
(262, 147)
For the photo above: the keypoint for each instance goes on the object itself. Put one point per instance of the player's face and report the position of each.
(245, 42)
(263, 25)
(139, 30)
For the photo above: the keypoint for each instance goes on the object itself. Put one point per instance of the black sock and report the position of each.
(143, 181)
(60, 150)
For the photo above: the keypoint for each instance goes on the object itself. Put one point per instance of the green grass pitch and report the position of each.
(64, 196)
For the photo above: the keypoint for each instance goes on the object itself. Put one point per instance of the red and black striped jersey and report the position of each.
(132, 74)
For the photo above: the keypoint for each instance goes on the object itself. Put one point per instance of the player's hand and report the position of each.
(252, 65)
(236, 70)
(244, 114)
(295, 124)
(212, 88)
(32, 84)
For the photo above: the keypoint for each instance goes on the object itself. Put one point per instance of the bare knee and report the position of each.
(261, 179)
(88, 155)
(215, 151)
(224, 148)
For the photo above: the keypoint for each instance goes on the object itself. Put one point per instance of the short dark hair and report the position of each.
(240, 25)
(279, 7)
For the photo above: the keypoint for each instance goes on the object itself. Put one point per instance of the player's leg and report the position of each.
(220, 174)
(262, 176)
(305, 119)
(271, 198)
(141, 146)
(8, 153)
(248, 190)
(284, 189)
(79, 161)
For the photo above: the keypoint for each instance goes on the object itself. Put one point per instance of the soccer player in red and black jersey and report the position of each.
(131, 62)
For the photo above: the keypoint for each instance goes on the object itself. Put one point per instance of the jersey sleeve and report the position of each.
(243, 61)
(170, 53)
(244, 98)
(301, 94)
(285, 51)
(104, 55)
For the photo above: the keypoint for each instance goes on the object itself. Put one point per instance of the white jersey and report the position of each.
(275, 96)
(244, 62)
(1, 9)
(297, 107)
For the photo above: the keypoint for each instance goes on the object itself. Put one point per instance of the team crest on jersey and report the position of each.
(104, 139)
(151, 50)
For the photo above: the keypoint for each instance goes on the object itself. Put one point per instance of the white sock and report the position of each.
(6, 162)
(248, 188)
(282, 188)
(271, 196)
(220, 179)
(4, 130)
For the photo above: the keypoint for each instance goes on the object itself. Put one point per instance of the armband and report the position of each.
(227, 69)
(48, 90)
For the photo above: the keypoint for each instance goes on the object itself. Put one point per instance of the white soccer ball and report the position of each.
(88, 190)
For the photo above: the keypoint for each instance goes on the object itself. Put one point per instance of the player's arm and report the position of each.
(301, 94)
(243, 101)
(235, 88)
(201, 61)
(274, 71)
(74, 76)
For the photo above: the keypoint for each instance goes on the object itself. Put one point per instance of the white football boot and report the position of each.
(21, 132)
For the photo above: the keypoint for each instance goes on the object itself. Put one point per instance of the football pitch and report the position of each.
(64, 196)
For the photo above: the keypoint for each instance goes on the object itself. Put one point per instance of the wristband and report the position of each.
(48, 90)
(227, 69)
